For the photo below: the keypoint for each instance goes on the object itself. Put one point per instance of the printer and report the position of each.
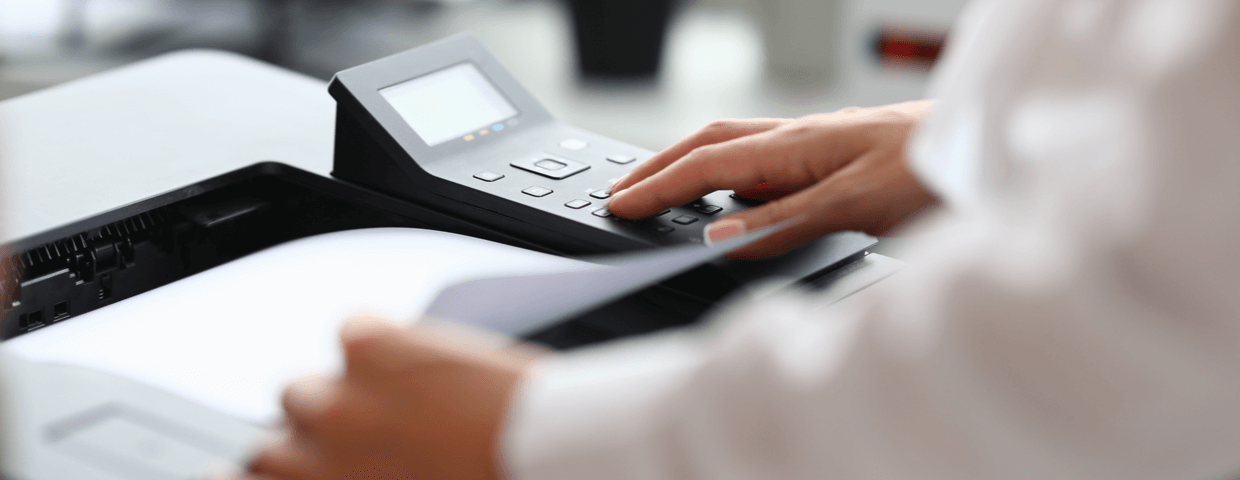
(385, 175)
(440, 137)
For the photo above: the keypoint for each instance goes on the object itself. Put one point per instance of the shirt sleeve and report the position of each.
(1075, 318)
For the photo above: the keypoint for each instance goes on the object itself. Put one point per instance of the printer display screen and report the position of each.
(456, 102)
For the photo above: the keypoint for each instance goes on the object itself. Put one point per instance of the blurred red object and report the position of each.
(763, 191)
(905, 47)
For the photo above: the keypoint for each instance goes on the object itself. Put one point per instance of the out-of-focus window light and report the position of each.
(26, 24)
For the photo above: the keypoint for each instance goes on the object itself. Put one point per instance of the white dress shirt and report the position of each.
(1075, 313)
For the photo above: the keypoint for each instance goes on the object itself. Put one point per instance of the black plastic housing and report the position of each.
(378, 149)
(56, 275)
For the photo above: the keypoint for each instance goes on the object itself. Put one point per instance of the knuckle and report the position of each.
(892, 118)
(801, 129)
(721, 124)
(699, 156)
(720, 129)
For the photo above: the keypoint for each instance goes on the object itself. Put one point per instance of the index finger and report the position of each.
(717, 131)
(736, 164)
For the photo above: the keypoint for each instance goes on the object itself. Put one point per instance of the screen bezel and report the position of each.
(364, 82)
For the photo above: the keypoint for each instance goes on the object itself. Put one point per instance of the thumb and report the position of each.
(374, 348)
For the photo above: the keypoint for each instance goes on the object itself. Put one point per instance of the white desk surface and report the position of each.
(105, 141)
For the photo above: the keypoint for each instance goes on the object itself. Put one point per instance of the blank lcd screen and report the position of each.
(449, 103)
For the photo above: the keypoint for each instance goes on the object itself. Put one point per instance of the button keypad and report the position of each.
(684, 218)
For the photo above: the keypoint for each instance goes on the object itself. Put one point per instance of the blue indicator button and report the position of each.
(498, 127)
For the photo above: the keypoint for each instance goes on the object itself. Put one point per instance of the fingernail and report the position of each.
(724, 229)
(612, 187)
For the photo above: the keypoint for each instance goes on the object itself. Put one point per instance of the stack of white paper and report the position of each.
(232, 337)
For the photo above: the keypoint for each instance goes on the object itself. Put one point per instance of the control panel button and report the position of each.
(488, 176)
(551, 166)
(621, 159)
(573, 144)
(577, 204)
(710, 209)
(602, 212)
(537, 191)
(664, 230)
(685, 219)
(747, 201)
(665, 212)
(601, 195)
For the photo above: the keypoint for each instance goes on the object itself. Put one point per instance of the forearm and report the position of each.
(945, 373)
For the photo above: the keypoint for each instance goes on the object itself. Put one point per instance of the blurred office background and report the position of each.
(718, 58)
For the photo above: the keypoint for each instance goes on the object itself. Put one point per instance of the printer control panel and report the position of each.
(570, 178)
(445, 124)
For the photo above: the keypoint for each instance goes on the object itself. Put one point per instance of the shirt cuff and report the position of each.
(600, 413)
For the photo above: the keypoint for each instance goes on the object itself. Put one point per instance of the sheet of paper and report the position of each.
(535, 301)
(232, 337)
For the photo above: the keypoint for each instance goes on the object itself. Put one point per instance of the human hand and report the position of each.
(412, 403)
(831, 172)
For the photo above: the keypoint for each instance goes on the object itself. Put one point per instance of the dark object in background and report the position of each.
(620, 37)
